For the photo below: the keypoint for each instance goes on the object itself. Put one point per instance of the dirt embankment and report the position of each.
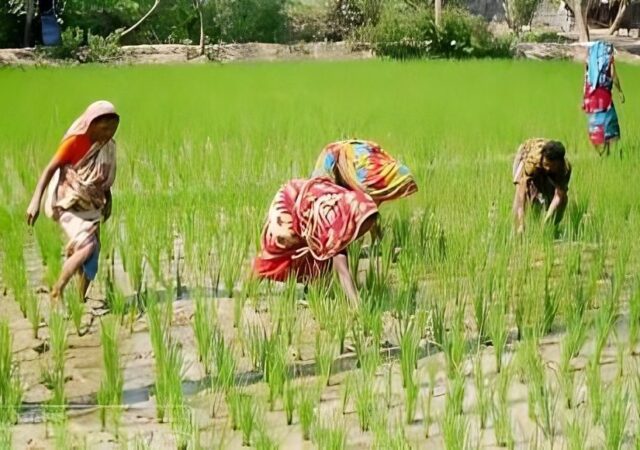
(175, 54)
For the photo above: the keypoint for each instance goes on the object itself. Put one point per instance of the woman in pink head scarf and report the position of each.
(77, 182)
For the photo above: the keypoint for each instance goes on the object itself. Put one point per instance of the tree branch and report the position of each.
(135, 25)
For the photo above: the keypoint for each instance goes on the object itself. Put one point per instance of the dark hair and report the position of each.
(553, 151)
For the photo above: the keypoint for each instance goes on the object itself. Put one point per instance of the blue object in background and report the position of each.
(50, 29)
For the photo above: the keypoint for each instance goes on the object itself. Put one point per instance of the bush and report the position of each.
(519, 13)
(307, 22)
(405, 32)
(102, 49)
(72, 39)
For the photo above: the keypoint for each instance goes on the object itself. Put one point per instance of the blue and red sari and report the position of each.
(598, 101)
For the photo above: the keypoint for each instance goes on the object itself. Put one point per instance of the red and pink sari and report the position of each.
(309, 222)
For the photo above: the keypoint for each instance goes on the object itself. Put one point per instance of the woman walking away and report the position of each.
(78, 184)
(600, 78)
(309, 226)
(541, 174)
(364, 166)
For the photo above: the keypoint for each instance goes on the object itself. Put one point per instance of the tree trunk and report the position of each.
(30, 10)
(580, 14)
(137, 24)
(438, 12)
(618, 20)
(201, 29)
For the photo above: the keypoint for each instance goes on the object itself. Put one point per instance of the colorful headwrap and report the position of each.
(365, 166)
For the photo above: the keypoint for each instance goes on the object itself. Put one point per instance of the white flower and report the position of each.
(453, 43)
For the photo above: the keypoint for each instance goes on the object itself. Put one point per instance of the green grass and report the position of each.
(202, 150)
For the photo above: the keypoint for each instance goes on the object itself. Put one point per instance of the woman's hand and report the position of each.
(33, 211)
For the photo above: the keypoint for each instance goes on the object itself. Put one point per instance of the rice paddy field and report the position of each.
(467, 337)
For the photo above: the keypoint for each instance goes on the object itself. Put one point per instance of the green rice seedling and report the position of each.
(204, 321)
(497, 329)
(454, 430)
(110, 392)
(33, 312)
(480, 308)
(454, 346)
(309, 398)
(500, 409)
(604, 322)
(284, 312)
(409, 342)
(566, 375)
(247, 418)
(483, 402)
(387, 440)
(615, 416)
(455, 394)
(634, 315)
(263, 439)
(551, 303)
(183, 426)
(411, 391)
(324, 355)
(158, 325)
(329, 435)
(427, 400)
(346, 392)
(234, 251)
(289, 399)
(318, 299)
(594, 389)
(576, 432)
(546, 408)
(55, 410)
(275, 371)
(11, 390)
(75, 305)
(255, 341)
(238, 310)
(225, 364)
(365, 399)
(48, 238)
(116, 301)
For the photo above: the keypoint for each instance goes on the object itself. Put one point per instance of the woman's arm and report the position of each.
(557, 206)
(341, 266)
(34, 206)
